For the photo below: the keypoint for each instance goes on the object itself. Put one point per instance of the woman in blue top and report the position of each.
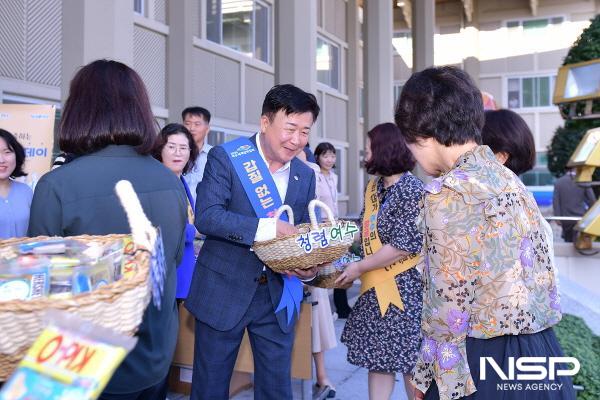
(175, 148)
(15, 197)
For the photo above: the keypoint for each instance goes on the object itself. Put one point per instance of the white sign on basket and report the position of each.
(326, 237)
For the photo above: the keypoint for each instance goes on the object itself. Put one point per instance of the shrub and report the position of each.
(577, 340)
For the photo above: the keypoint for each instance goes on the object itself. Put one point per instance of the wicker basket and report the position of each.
(327, 275)
(326, 279)
(119, 306)
(287, 252)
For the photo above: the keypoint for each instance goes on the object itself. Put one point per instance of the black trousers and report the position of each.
(340, 300)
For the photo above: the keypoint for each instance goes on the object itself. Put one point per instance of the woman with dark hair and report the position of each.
(383, 330)
(490, 291)
(15, 197)
(327, 181)
(175, 148)
(509, 137)
(107, 123)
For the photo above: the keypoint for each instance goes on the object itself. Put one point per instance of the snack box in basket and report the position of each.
(59, 268)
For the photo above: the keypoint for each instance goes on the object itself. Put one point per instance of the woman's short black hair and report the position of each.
(389, 153)
(107, 104)
(323, 148)
(16, 147)
(163, 138)
(442, 103)
(290, 99)
(505, 131)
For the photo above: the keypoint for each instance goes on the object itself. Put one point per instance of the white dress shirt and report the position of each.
(194, 176)
(267, 227)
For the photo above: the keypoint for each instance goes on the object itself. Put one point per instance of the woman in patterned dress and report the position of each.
(388, 344)
(490, 293)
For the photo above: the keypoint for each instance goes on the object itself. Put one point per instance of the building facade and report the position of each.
(225, 55)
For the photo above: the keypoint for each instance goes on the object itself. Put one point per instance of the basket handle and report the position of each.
(313, 217)
(287, 209)
(142, 231)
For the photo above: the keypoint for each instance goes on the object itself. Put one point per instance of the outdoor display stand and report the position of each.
(586, 157)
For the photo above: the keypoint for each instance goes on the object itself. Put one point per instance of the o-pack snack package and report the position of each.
(71, 359)
(128, 266)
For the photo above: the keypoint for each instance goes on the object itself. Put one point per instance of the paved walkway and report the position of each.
(351, 381)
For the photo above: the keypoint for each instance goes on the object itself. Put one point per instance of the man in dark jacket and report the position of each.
(232, 290)
(570, 200)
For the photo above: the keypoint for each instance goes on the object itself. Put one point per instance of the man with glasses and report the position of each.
(197, 121)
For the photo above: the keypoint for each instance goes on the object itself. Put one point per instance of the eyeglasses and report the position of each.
(172, 148)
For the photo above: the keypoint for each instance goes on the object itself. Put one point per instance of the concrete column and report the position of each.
(296, 43)
(423, 25)
(180, 47)
(379, 68)
(92, 30)
(355, 133)
(470, 32)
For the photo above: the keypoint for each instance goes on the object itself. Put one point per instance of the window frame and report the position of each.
(339, 47)
(520, 21)
(270, 30)
(226, 132)
(520, 77)
(143, 7)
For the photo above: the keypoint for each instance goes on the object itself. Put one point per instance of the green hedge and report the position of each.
(577, 340)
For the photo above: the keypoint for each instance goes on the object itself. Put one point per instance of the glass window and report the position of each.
(218, 136)
(237, 25)
(535, 24)
(242, 25)
(328, 63)
(543, 91)
(514, 96)
(533, 27)
(261, 32)
(138, 6)
(213, 20)
(530, 91)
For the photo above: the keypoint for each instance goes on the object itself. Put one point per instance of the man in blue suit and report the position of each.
(231, 289)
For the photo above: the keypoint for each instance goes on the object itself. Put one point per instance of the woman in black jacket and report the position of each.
(108, 125)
